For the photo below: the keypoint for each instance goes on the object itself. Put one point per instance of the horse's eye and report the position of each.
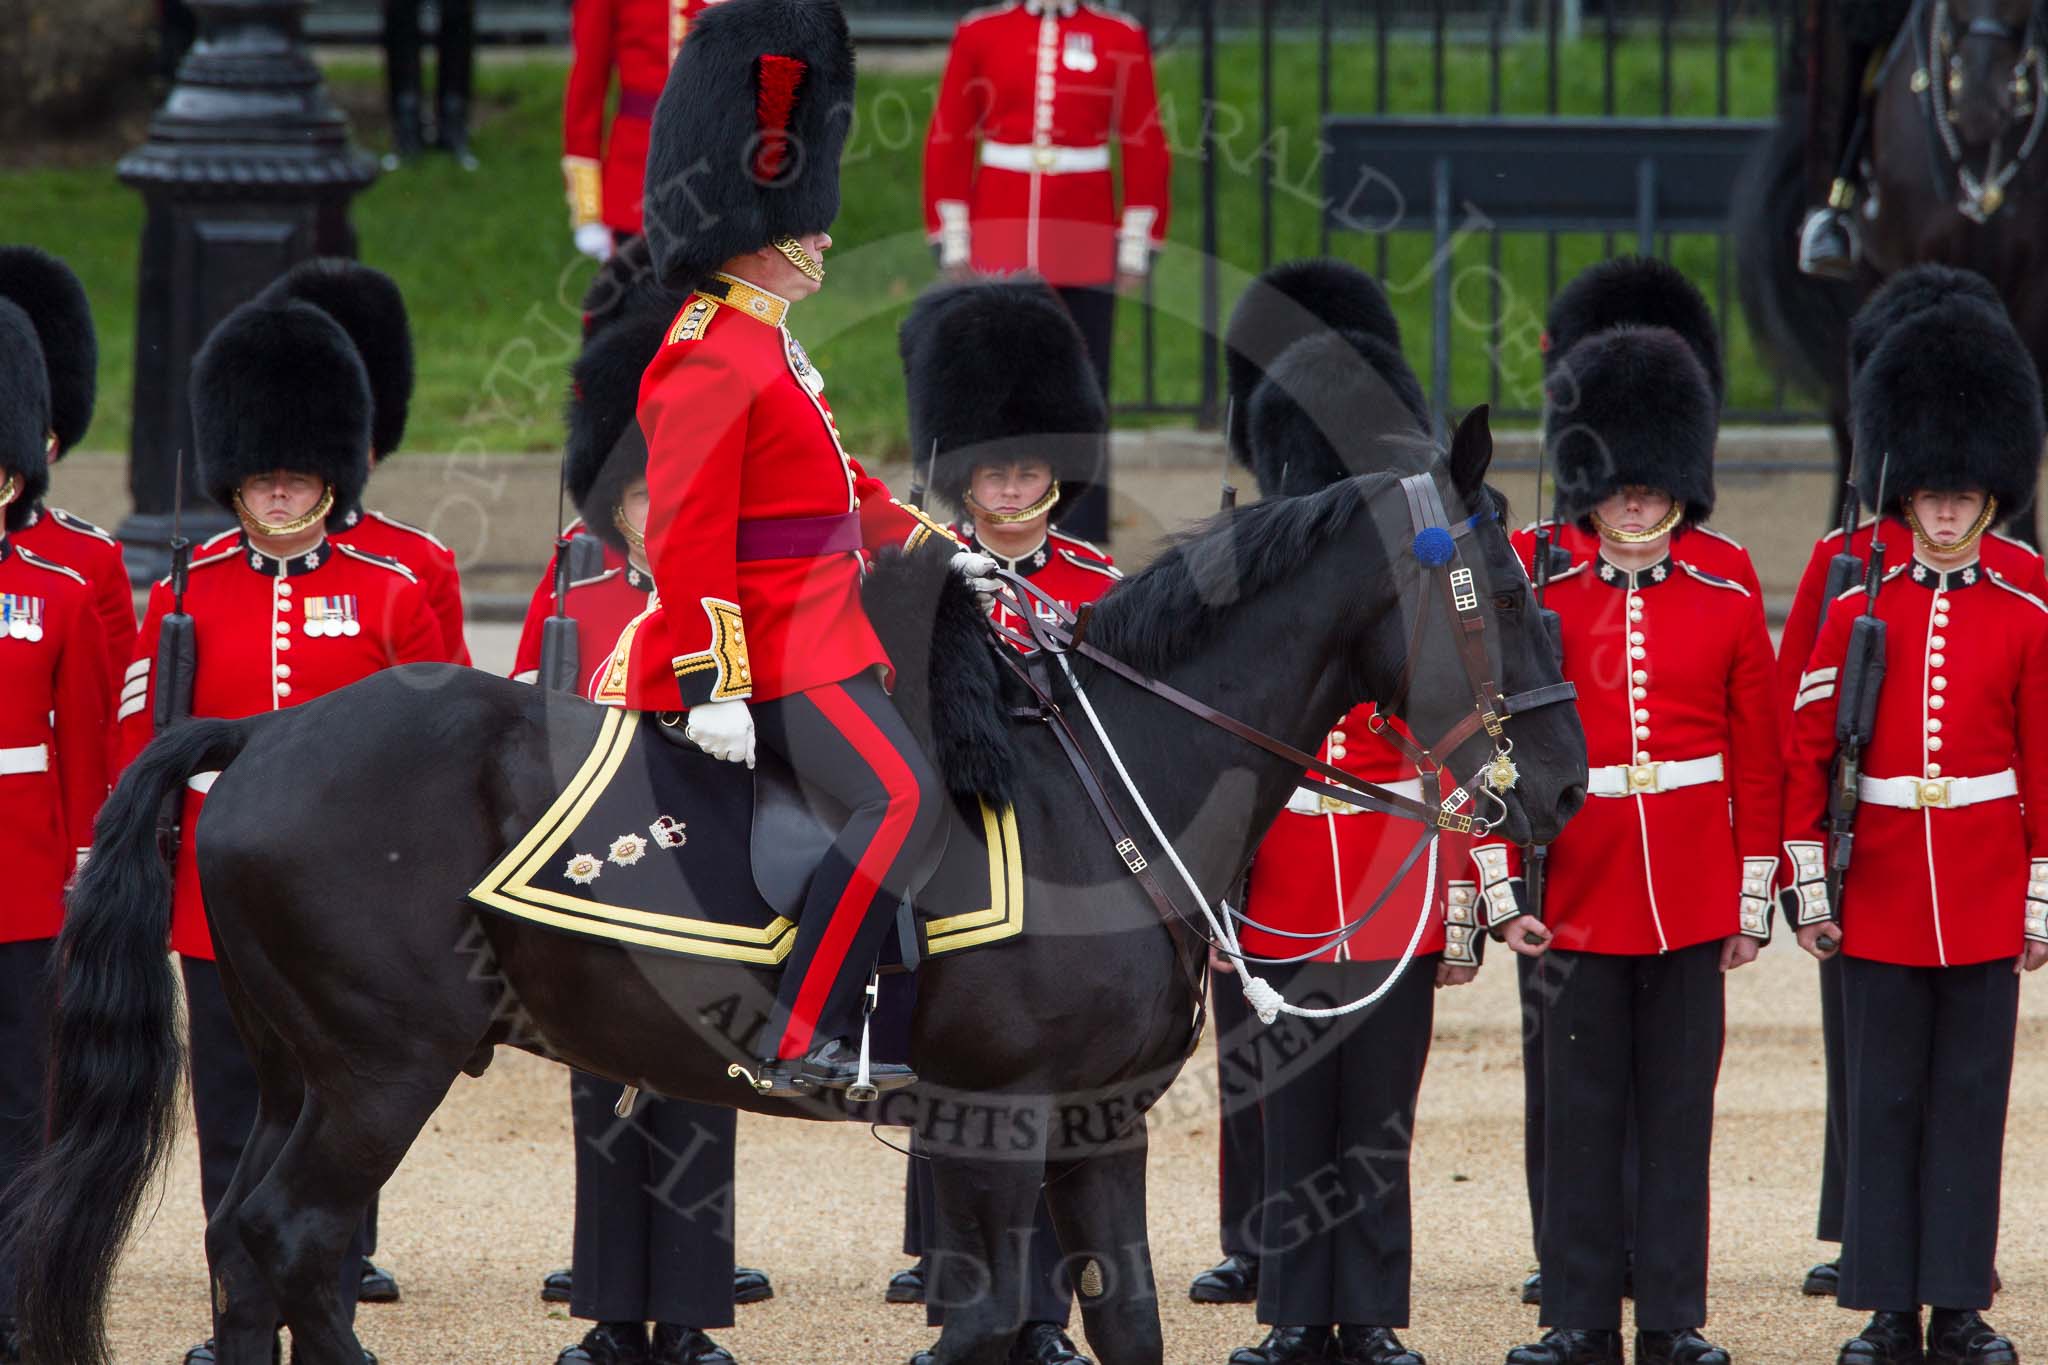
(1507, 600)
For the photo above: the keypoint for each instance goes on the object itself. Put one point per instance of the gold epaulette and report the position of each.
(694, 321)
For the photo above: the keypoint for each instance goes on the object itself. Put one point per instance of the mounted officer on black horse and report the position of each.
(480, 917)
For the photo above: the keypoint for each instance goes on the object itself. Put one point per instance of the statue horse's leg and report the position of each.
(987, 1211)
(1098, 1205)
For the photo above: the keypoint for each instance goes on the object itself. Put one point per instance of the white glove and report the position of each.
(979, 570)
(1302, 801)
(595, 241)
(723, 729)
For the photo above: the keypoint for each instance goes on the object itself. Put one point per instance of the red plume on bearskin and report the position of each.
(780, 77)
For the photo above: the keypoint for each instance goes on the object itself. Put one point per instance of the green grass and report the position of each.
(492, 281)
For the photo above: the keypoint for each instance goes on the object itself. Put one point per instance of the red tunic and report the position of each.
(2015, 562)
(1017, 166)
(738, 431)
(637, 39)
(76, 543)
(53, 726)
(1672, 668)
(1316, 872)
(1065, 568)
(270, 634)
(602, 607)
(1965, 695)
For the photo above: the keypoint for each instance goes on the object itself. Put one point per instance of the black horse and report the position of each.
(1955, 176)
(340, 840)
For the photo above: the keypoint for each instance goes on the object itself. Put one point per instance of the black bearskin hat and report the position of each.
(370, 309)
(1640, 291)
(1948, 400)
(24, 412)
(278, 385)
(748, 134)
(1910, 292)
(612, 289)
(606, 449)
(997, 371)
(1630, 406)
(1290, 301)
(44, 288)
(1332, 405)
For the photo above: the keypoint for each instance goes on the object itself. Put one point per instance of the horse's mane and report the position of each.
(1159, 617)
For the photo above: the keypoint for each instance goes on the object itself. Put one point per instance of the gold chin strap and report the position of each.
(625, 528)
(1662, 528)
(1031, 513)
(800, 258)
(258, 527)
(50, 445)
(1969, 538)
(10, 490)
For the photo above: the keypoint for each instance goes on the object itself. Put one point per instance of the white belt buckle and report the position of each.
(1046, 157)
(1645, 779)
(1932, 794)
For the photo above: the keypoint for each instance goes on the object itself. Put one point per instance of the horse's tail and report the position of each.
(1799, 322)
(116, 1055)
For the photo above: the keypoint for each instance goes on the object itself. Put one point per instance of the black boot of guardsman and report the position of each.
(1962, 1337)
(831, 1065)
(1570, 1346)
(1887, 1339)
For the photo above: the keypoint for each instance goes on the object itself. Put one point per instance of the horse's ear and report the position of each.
(1472, 452)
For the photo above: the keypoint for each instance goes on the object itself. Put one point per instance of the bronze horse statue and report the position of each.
(364, 981)
(1953, 173)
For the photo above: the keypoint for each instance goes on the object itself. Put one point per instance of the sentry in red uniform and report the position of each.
(1017, 161)
(602, 607)
(602, 166)
(271, 634)
(1071, 572)
(1700, 546)
(77, 544)
(53, 725)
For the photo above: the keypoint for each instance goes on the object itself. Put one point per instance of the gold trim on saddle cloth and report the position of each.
(509, 886)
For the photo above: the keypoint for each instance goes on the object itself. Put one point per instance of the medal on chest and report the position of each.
(1077, 53)
(21, 616)
(332, 617)
(800, 365)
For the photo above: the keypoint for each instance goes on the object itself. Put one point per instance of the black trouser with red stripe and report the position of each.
(846, 742)
(1930, 1071)
(24, 1022)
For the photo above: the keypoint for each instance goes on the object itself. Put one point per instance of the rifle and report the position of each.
(1228, 499)
(177, 664)
(1845, 568)
(1535, 857)
(560, 664)
(1856, 689)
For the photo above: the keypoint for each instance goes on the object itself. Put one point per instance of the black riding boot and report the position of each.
(1827, 239)
(402, 81)
(454, 79)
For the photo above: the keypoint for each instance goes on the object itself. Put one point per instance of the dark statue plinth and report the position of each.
(248, 170)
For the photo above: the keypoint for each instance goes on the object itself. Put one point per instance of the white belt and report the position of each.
(202, 782)
(35, 758)
(1025, 156)
(1305, 801)
(1647, 779)
(1946, 793)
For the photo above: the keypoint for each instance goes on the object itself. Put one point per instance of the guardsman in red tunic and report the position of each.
(758, 515)
(2015, 562)
(1017, 165)
(1339, 1288)
(603, 166)
(1665, 881)
(281, 615)
(1945, 900)
(637, 1259)
(1005, 407)
(44, 288)
(53, 757)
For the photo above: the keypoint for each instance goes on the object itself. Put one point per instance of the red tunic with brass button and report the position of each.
(431, 562)
(53, 729)
(1672, 664)
(1017, 164)
(601, 606)
(738, 432)
(638, 39)
(1067, 569)
(77, 544)
(1965, 696)
(2018, 565)
(269, 634)
(1314, 873)
(1700, 546)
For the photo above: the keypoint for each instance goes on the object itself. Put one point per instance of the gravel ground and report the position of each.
(481, 1210)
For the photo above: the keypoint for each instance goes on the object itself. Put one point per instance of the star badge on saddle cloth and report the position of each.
(21, 616)
(583, 869)
(627, 849)
(332, 616)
